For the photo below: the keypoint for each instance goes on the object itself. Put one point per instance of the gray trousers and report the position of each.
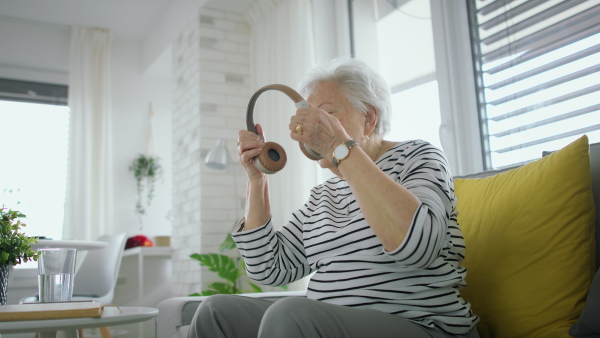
(295, 317)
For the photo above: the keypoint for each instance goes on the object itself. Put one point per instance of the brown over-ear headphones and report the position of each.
(273, 157)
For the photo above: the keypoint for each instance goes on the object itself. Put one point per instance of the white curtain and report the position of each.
(282, 50)
(89, 182)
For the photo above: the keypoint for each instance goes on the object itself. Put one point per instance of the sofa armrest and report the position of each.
(175, 314)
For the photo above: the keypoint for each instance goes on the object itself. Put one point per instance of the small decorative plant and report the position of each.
(230, 269)
(146, 170)
(15, 247)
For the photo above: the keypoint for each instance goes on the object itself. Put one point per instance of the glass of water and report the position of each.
(56, 270)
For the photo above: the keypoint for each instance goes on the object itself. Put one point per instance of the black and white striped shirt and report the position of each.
(420, 280)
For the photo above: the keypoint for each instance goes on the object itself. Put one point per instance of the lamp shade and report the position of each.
(218, 157)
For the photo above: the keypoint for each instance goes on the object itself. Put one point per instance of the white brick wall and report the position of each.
(211, 68)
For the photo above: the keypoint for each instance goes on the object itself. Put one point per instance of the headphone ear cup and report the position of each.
(306, 150)
(272, 159)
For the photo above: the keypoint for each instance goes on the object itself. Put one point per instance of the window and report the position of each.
(407, 62)
(537, 65)
(403, 53)
(34, 141)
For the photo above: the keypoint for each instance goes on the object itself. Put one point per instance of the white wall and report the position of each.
(133, 91)
(34, 52)
(40, 52)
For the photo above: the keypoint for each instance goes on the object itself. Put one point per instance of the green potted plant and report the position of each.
(15, 246)
(230, 269)
(146, 170)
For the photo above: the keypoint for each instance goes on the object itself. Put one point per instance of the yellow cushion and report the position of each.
(530, 243)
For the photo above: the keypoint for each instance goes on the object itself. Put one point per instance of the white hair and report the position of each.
(361, 85)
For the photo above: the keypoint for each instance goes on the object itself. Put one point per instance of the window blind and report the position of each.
(33, 92)
(537, 66)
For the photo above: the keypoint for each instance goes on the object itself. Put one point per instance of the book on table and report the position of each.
(42, 311)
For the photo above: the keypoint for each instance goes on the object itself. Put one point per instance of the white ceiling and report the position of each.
(128, 19)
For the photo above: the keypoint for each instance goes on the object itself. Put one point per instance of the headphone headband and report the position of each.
(273, 157)
(292, 94)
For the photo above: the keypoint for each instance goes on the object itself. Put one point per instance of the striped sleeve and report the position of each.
(272, 258)
(424, 172)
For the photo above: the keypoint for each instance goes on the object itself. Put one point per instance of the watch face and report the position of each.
(341, 152)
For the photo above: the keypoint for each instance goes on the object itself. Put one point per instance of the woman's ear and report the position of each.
(371, 119)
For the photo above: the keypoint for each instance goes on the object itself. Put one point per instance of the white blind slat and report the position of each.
(538, 65)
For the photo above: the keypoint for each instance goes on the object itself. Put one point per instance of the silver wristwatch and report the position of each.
(341, 152)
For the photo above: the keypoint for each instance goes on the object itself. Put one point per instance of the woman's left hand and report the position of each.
(318, 129)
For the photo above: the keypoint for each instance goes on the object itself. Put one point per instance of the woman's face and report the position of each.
(328, 97)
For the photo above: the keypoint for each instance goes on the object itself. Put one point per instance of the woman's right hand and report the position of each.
(250, 145)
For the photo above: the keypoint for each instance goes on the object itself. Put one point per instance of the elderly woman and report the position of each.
(381, 236)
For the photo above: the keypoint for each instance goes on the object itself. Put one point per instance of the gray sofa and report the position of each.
(175, 314)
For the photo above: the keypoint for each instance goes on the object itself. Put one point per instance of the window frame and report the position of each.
(33, 92)
(549, 14)
(460, 133)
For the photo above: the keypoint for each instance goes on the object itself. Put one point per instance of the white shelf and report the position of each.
(160, 251)
(145, 279)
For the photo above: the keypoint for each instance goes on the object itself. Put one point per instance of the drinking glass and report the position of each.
(56, 270)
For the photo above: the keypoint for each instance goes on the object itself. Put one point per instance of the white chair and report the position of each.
(97, 276)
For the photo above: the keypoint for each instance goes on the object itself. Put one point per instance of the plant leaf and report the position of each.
(146, 170)
(14, 245)
(223, 265)
(242, 266)
(207, 293)
(219, 288)
(227, 244)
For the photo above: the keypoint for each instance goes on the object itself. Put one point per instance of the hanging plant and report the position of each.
(146, 170)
